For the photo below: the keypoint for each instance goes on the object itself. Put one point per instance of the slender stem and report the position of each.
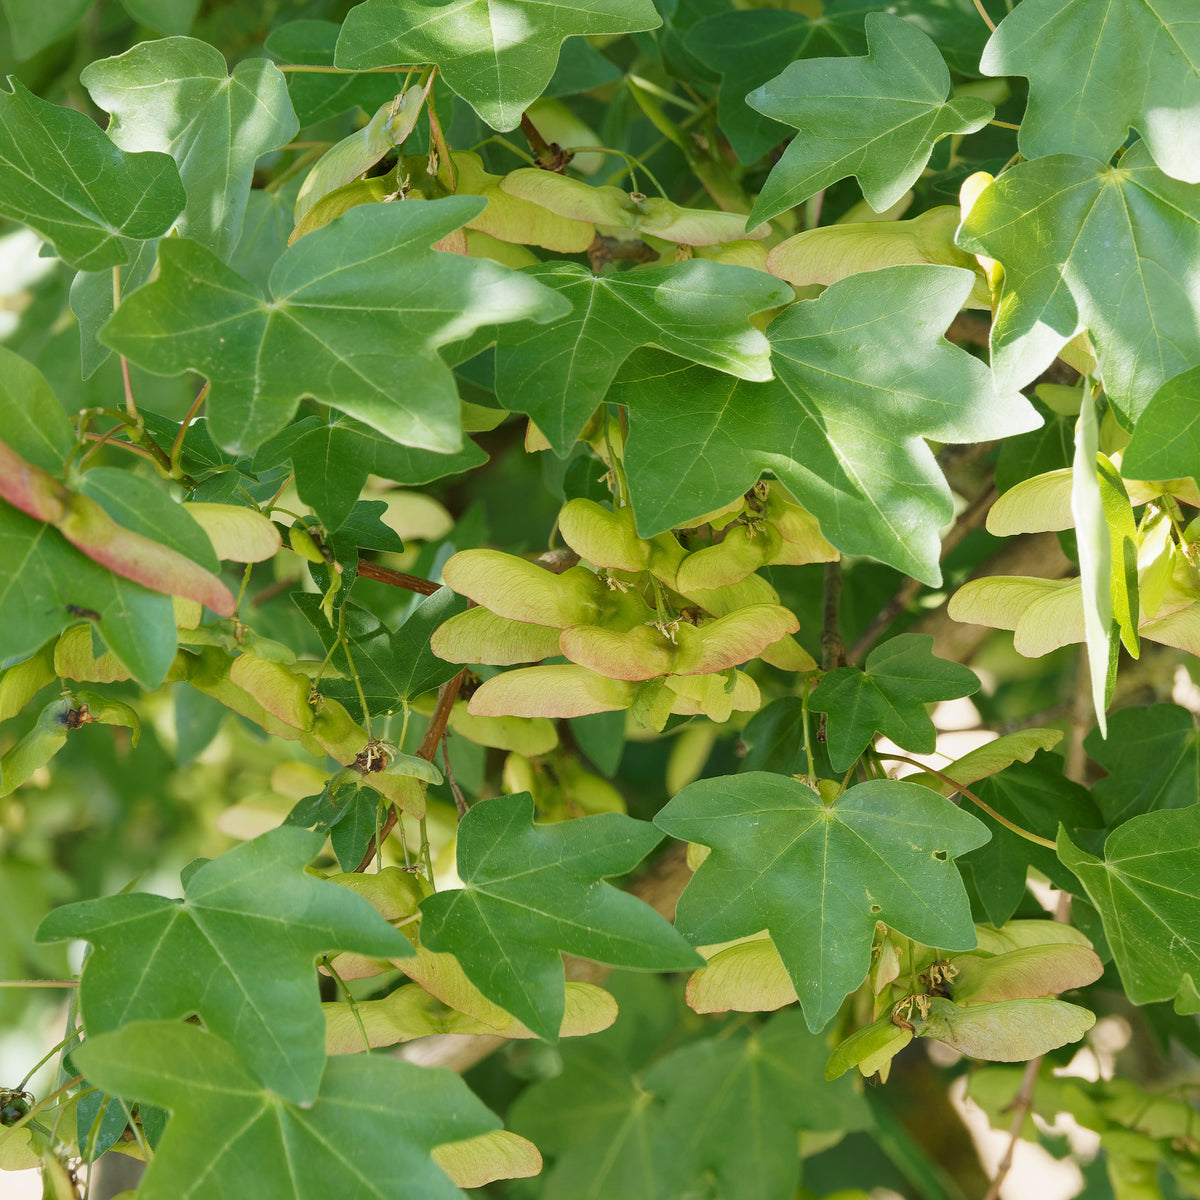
(424, 852)
(127, 384)
(812, 768)
(445, 162)
(460, 801)
(970, 795)
(833, 650)
(358, 687)
(447, 694)
(509, 146)
(1022, 1103)
(1004, 124)
(322, 70)
(39, 983)
(983, 13)
(381, 574)
(663, 94)
(177, 444)
(242, 590)
(41, 1062)
(362, 1029)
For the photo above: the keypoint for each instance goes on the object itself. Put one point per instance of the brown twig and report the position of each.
(460, 801)
(549, 156)
(833, 649)
(381, 574)
(447, 694)
(1022, 1102)
(968, 520)
(274, 589)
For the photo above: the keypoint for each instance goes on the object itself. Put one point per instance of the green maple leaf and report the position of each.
(177, 96)
(600, 1128)
(355, 315)
(819, 877)
(43, 578)
(35, 24)
(888, 696)
(698, 310)
(876, 118)
(45, 581)
(367, 1135)
(394, 666)
(1141, 312)
(1166, 442)
(166, 16)
(1071, 51)
(1038, 798)
(531, 892)
(1147, 891)
(1152, 756)
(498, 58)
(61, 176)
(333, 458)
(749, 47)
(736, 1105)
(862, 378)
(317, 96)
(239, 951)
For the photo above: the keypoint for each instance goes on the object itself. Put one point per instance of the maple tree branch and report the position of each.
(833, 650)
(427, 750)
(382, 574)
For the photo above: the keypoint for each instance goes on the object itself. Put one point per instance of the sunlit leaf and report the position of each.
(819, 877)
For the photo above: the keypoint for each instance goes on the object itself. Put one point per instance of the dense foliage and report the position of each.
(482, 483)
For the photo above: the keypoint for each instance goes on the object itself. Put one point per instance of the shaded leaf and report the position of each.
(863, 377)
(238, 950)
(35, 24)
(736, 1105)
(367, 1135)
(1164, 443)
(381, 367)
(876, 118)
(394, 665)
(46, 584)
(603, 1132)
(1037, 797)
(819, 877)
(1152, 756)
(498, 59)
(698, 310)
(888, 696)
(532, 891)
(317, 96)
(333, 458)
(1071, 51)
(61, 176)
(1147, 891)
(1039, 220)
(749, 47)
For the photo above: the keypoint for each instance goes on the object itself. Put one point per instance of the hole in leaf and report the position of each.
(876, 908)
(940, 855)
